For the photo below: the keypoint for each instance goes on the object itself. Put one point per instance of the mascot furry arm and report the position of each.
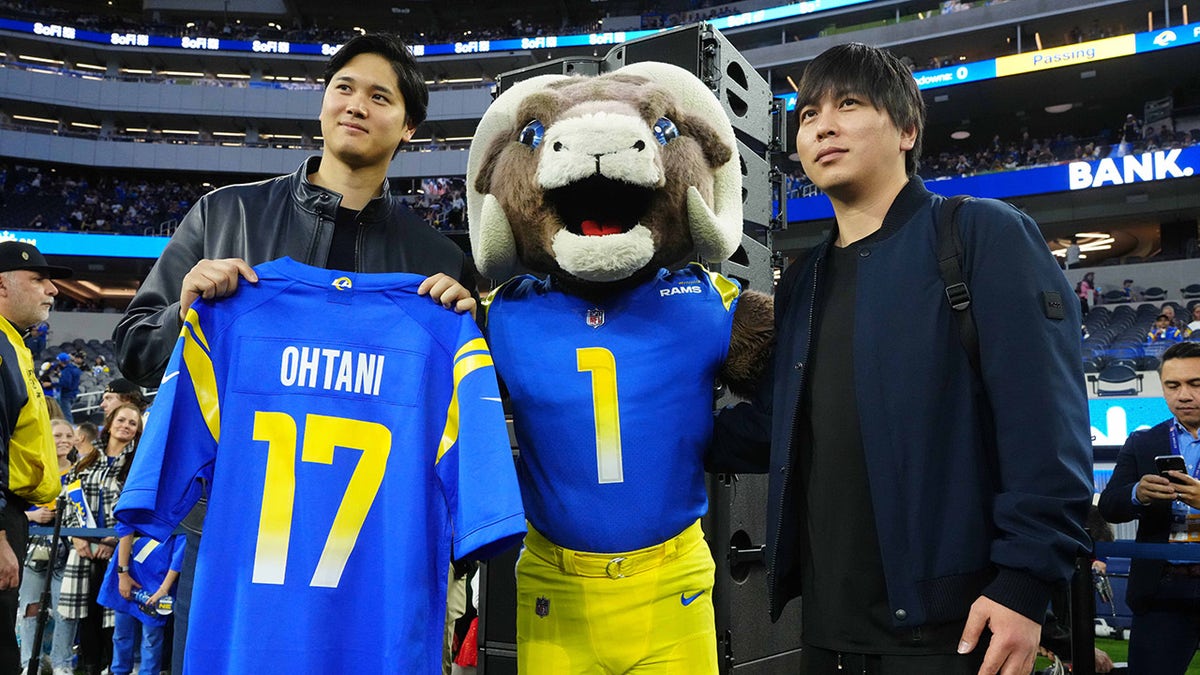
(600, 182)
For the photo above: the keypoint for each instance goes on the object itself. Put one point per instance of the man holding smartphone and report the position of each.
(1148, 484)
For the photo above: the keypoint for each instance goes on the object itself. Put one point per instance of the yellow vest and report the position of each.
(32, 462)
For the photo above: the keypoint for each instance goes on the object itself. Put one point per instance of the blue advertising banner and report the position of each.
(1149, 166)
(1113, 419)
(100, 245)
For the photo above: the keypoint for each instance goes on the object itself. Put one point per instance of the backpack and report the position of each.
(949, 255)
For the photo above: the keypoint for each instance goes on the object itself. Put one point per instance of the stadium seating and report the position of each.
(1121, 378)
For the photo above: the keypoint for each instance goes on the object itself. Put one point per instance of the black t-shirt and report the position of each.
(845, 604)
(342, 254)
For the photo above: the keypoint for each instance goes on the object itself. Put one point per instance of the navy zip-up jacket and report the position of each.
(979, 487)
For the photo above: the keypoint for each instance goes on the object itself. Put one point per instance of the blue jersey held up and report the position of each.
(348, 433)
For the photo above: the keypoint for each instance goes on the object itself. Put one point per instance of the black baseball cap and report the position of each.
(122, 386)
(18, 255)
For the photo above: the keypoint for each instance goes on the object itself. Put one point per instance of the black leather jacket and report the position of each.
(258, 222)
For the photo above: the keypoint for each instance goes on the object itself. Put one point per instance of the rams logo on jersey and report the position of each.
(680, 290)
(343, 283)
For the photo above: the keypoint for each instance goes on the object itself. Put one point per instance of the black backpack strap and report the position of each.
(949, 254)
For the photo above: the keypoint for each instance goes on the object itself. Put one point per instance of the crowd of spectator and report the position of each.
(1007, 155)
(441, 202)
(307, 30)
(662, 18)
(67, 200)
(96, 202)
(112, 203)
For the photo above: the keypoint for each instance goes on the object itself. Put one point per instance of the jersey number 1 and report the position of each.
(322, 434)
(603, 367)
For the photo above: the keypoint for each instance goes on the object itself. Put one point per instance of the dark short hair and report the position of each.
(408, 75)
(1162, 316)
(1127, 281)
(888, 84)
(1180, 350)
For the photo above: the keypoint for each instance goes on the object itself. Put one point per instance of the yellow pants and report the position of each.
(645, 611)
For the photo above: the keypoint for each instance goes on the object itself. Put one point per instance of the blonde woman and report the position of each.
(40, 561)
(101, 476)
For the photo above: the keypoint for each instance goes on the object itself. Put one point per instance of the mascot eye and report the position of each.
(532, 134)
(665, 130)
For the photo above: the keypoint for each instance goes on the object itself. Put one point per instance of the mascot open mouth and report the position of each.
(596, 206)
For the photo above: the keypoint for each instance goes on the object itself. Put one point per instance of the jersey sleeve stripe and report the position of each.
(200, 370)
(726, 287)
(462, 368)
(191, 323)
(474, 345)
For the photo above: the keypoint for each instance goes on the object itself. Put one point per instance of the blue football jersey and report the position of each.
(149, 562)
(347, 432)
(612, 403)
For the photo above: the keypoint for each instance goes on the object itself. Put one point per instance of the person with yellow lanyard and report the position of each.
(27, 463)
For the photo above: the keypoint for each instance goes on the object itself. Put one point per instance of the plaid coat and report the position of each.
(101, 489)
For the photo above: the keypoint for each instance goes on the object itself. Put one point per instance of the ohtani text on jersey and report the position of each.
(331, 369)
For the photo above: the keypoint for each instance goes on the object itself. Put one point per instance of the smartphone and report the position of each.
(1166, 463)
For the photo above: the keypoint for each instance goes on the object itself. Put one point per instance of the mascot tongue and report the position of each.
(592, 228)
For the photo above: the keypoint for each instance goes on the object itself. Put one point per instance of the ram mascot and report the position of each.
(605, 186)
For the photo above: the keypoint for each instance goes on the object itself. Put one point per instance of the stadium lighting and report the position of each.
(38, 59)
(185, 132)
(1059, 108)
(1088, 241)
(85, 125)
(27, 118)
(235, 134)
(89, 66)
(233, 76)
(960, 135)
(180, 73)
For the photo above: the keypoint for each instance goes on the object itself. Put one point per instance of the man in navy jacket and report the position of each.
(1164, 597)
(913, 500)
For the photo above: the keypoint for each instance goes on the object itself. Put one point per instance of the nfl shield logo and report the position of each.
(595, 317)
(542, 607)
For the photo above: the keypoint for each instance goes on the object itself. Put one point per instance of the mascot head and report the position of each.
(601, 181)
